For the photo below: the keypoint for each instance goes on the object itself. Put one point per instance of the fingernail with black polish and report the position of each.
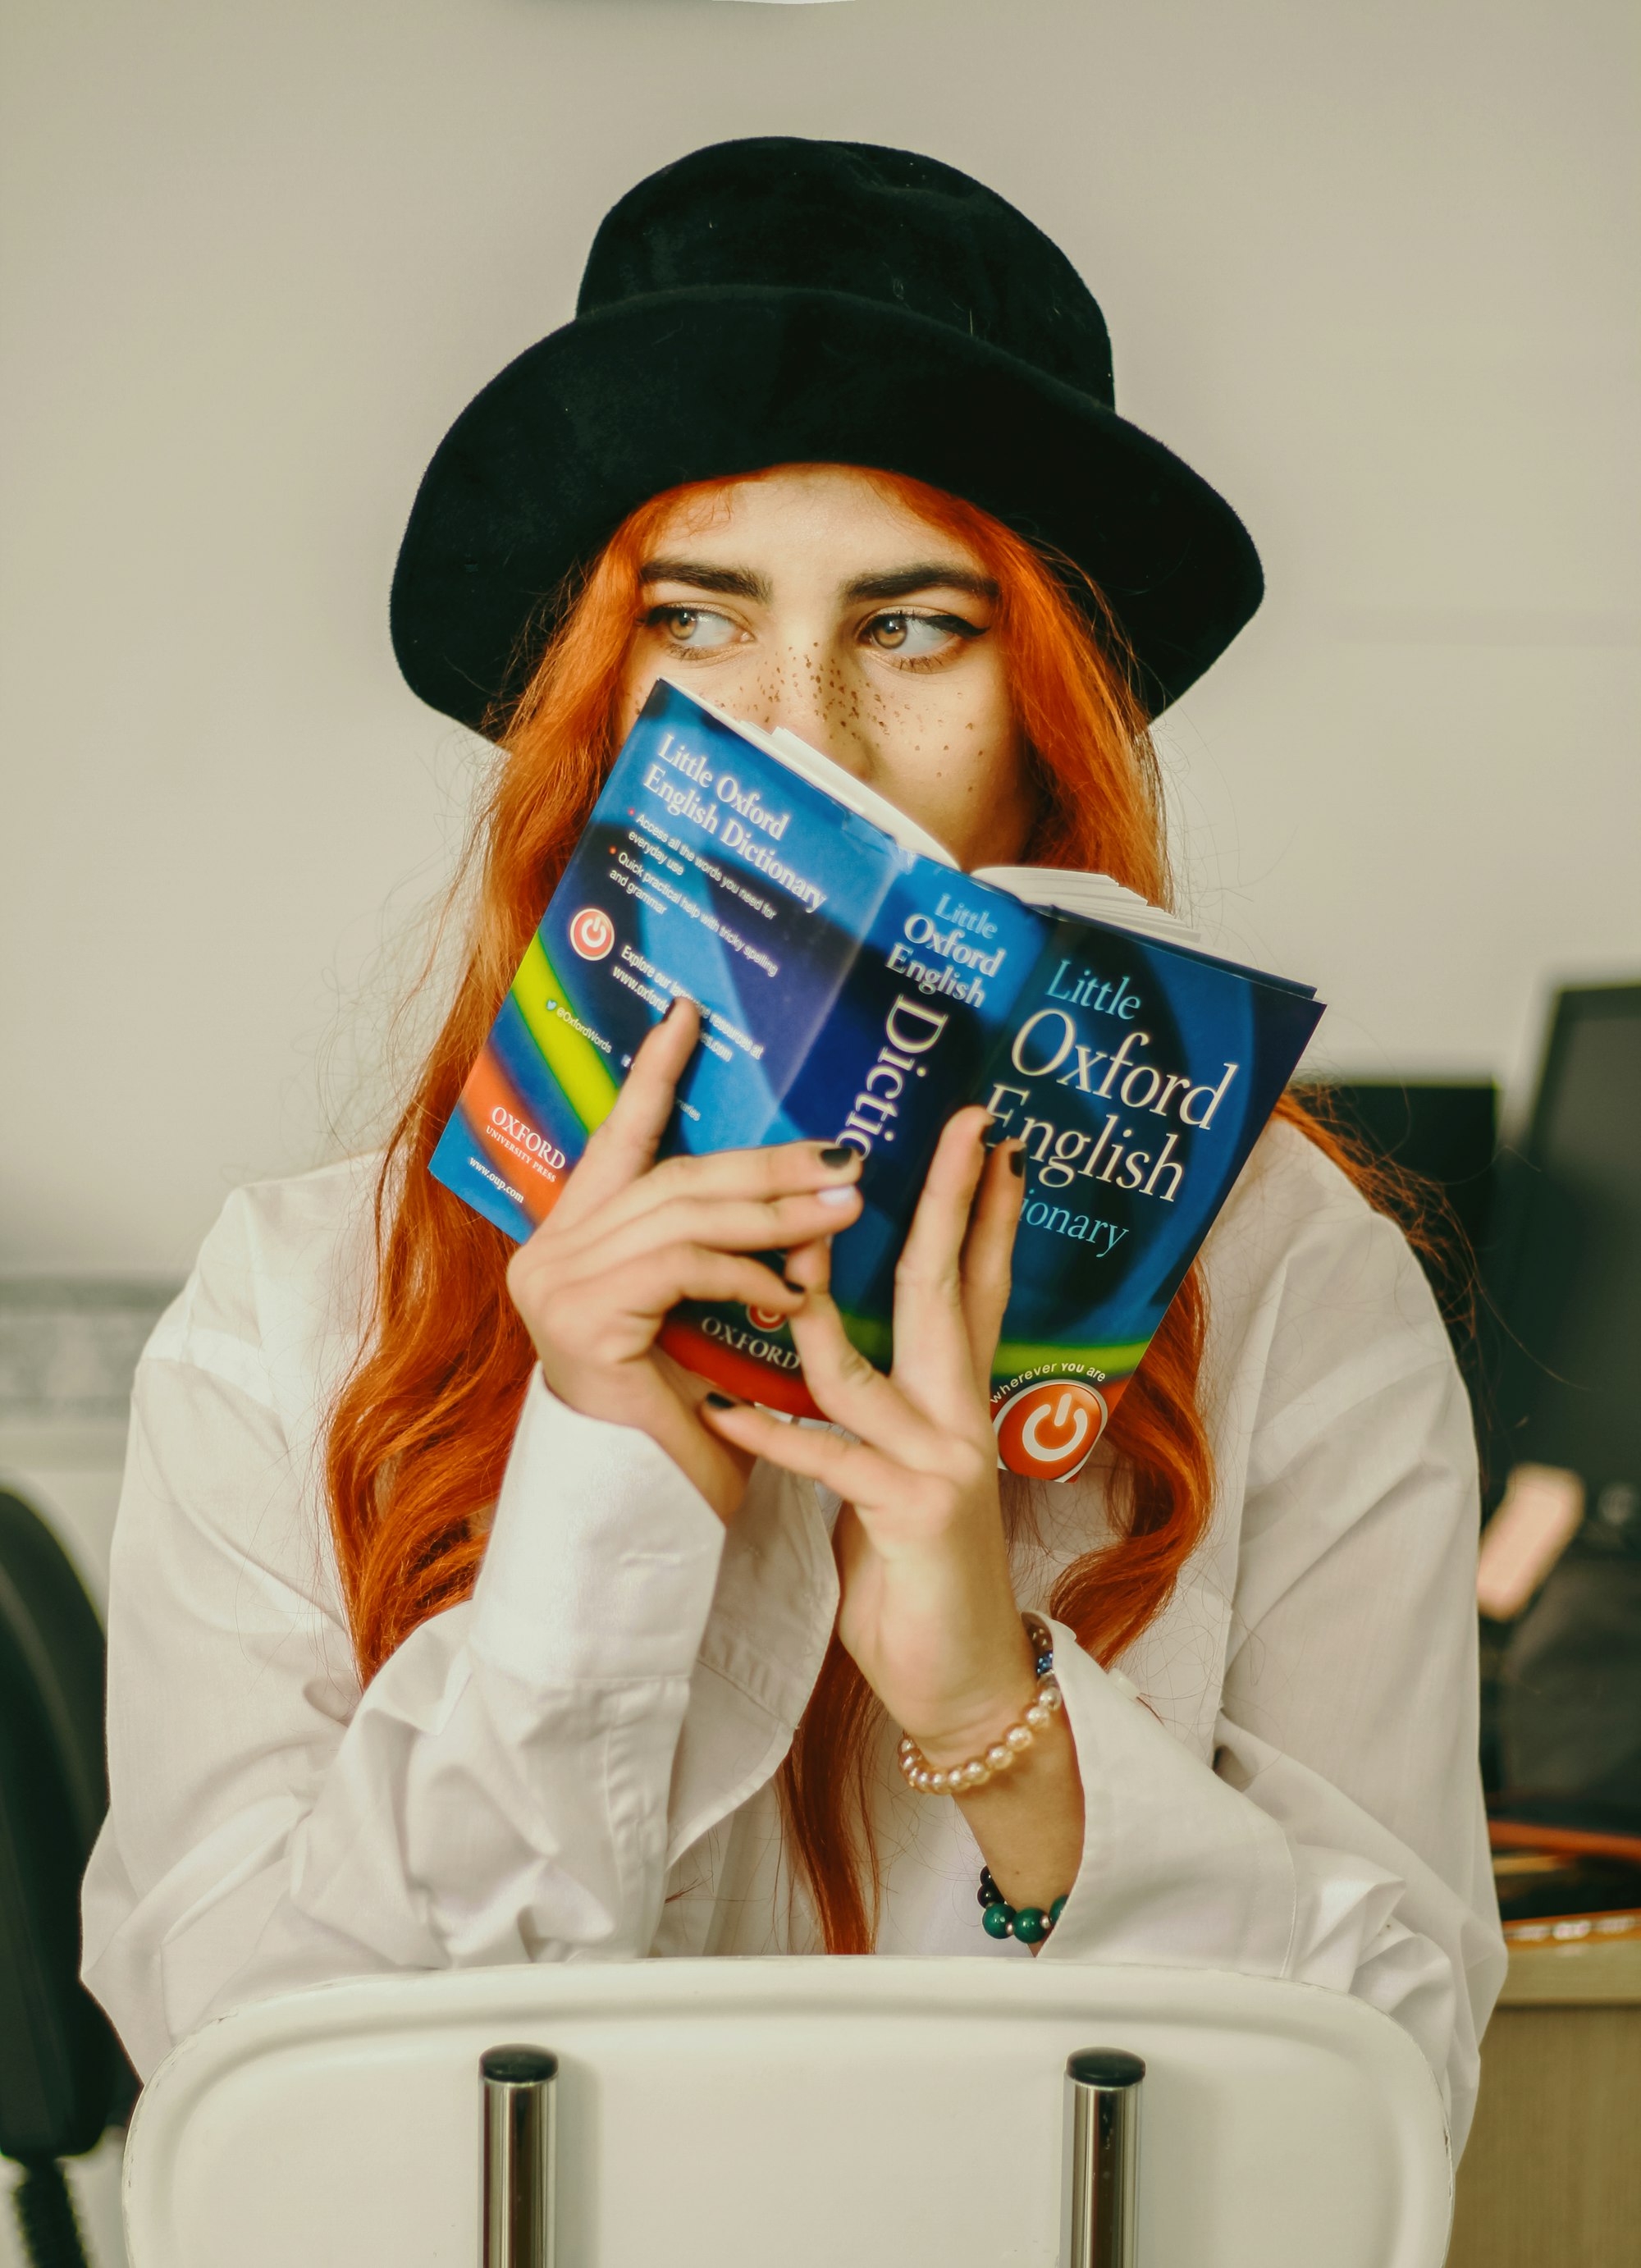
(836, 1154)
(1017, 1164)
(802, 1290)
(671, 1004)
(721, 1402)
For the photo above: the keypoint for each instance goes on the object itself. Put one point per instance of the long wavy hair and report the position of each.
(420, 1431)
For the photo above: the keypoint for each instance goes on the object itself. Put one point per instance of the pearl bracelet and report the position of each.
(962, 1779)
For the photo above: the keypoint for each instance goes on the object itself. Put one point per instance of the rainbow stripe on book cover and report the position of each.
(852, 990)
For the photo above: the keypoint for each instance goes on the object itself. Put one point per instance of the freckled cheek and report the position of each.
(639, 675)
(752, 691)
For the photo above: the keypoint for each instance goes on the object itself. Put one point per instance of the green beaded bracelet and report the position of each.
(998, 1918)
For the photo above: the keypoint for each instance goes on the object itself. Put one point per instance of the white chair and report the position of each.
(818, 2114)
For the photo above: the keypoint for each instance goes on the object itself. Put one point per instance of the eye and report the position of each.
(698, 628)
(917, 638)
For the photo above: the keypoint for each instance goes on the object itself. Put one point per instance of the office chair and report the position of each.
(62, 2076)
(886, 2113)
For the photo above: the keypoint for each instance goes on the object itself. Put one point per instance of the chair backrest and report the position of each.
(60, 2065)
(726, 2114)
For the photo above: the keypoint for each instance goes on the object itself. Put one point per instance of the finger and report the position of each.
(988, 1253)
(853, 1391)
(732, 1225)
(857, 1472)
(648, 1288)
(784, 1169)
(810, 1265)
(621, 1149)
(931, 1340)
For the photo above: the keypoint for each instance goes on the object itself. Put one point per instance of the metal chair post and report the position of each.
(1101, 2167)
(520, 2091)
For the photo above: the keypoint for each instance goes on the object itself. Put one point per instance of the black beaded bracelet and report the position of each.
(998, 1918)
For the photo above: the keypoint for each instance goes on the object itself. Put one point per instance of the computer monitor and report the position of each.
(1444, 1134)
(1566, 1279)
(1564, 1701)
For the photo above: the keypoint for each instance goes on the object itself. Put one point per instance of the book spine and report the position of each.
(880, 1075)
(902, 1046)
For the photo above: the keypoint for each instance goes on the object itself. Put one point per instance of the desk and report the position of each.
(1552, 2175)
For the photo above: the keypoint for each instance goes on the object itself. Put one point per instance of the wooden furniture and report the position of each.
(1552, 2175)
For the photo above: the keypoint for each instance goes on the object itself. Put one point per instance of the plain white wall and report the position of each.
(1371, 268)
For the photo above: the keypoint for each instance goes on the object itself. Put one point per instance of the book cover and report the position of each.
(855, 989)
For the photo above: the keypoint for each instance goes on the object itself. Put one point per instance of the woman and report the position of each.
(450, 1623)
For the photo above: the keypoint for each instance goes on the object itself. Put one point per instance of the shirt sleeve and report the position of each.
(499, 1793)
(1338, 1836)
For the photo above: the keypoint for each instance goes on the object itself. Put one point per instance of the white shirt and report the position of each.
(576, 1763)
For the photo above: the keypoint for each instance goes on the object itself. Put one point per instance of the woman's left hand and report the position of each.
(928, 1607)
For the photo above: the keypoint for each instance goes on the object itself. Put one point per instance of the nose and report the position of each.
(807, 690)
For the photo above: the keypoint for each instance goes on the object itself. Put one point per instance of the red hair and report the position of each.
(420, 1432)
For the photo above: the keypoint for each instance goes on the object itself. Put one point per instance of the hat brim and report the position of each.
(543, 466)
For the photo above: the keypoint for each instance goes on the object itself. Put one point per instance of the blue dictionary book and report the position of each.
(856, 987)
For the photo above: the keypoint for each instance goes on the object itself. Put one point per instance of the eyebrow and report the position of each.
(732, 582)
(896, 582)
(929, 575)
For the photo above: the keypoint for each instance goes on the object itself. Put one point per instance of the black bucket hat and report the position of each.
(778, 301)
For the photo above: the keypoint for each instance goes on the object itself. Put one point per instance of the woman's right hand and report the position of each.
(629, 1239)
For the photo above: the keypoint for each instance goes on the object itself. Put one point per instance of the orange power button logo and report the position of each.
(592, 932)
(1047, 1430)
